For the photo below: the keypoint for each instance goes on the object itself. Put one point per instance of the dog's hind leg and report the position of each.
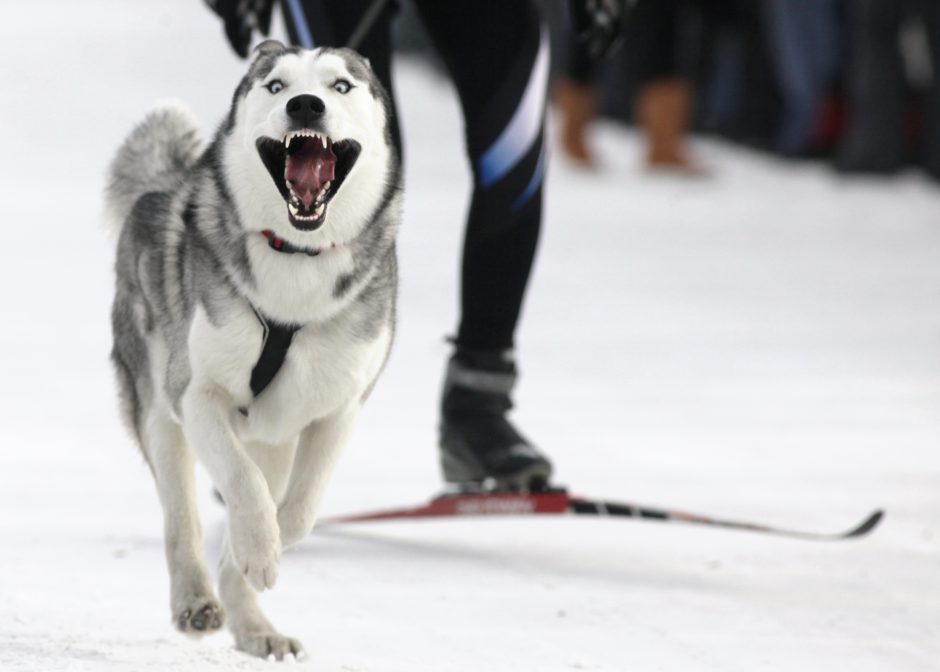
(253, 632)
(195, 609)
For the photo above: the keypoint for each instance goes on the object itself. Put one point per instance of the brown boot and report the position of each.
(663, 110)
(577, 104)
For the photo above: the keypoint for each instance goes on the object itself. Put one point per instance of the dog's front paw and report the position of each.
(270, 645)
(201, 615)
(256, 548)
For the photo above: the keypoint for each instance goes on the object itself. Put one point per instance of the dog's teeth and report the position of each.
(294, 210)
(319, 211)
(326, 187)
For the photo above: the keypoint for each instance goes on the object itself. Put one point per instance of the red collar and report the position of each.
(281, 245)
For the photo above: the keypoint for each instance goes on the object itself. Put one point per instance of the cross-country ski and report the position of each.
(557, 501)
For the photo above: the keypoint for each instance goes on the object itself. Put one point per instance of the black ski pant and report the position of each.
(497, 55)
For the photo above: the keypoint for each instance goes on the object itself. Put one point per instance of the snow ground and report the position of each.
(763, 344)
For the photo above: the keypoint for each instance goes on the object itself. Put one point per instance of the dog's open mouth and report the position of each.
(308, 169)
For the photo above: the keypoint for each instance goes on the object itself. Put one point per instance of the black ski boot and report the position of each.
(480, 448)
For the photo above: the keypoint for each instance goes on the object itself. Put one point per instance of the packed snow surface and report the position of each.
(763, 344)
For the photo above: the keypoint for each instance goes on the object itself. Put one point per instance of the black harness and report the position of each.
(277, 337)
(276, 342)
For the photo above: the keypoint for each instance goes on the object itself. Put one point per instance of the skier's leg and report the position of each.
(497, 53)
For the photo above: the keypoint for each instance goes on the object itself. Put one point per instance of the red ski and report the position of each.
(557, 501)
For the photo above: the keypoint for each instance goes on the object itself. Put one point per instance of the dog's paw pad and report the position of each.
(203, 616)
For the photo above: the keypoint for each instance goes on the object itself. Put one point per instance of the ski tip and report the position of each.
(867, 525)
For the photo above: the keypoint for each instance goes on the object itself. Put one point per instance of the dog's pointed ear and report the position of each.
(268, 48)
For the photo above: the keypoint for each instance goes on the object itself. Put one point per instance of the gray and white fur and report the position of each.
(199, 285)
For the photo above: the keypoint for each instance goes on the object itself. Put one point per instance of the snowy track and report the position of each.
(762, 345)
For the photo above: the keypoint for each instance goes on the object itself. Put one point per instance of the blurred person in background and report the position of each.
(877, 88)
(806, 50)
(853, 79)
(497, 53)
(664, 97)
(575, 94)
(656, 69)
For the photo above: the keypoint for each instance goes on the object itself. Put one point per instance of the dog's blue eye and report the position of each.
(274, 85)
(342, 86)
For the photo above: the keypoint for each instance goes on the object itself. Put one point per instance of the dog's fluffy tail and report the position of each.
(155, 157)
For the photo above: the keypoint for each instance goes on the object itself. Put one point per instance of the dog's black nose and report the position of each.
(305, 109)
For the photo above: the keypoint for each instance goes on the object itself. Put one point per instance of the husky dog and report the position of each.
(254, 310)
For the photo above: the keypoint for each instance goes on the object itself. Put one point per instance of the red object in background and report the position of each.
(835, 116)
(831, 124)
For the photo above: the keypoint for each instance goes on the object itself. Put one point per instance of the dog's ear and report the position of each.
(268, 48)
(353, 55)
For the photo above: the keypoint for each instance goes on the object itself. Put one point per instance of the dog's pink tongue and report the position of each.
(308, 169)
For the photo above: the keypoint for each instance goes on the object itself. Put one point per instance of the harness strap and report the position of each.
(277, 340)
